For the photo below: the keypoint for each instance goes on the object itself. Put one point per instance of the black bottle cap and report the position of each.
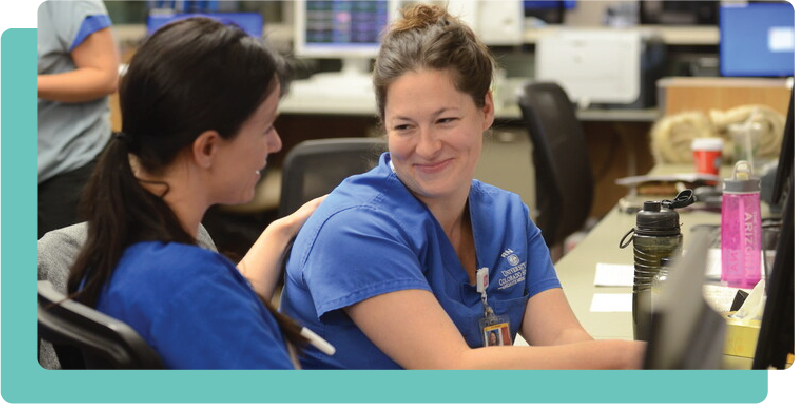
(652, 206)
(655, 221)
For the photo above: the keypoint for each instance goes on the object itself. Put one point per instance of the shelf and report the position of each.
(671, 35)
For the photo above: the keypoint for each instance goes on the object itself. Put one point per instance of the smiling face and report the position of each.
(435, 134)
(243, 158)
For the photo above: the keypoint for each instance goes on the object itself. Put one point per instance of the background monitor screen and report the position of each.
(757, 40)
(777, 333)
(251, 23)
(531, 4)
(339, 29)
(550, 11)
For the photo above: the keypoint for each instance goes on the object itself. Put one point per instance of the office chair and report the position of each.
(57, 250)
(84, 338)
(564, 183)
(315, 167)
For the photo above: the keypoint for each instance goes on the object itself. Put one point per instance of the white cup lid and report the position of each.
(707, 144)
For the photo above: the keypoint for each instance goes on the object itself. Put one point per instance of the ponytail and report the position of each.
(119, 212)
(289, 327)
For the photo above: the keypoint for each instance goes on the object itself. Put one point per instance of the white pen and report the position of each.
(318, 342)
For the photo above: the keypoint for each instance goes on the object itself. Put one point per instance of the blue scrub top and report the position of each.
(371, 236)
(194, 308)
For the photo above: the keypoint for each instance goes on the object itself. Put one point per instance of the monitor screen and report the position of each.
(531, 4)
(669, 12)
(250, 23)
(777, 333)
(757, 40)
(549, 11)
(340, 29)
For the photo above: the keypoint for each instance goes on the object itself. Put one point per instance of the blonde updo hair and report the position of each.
(427, 37)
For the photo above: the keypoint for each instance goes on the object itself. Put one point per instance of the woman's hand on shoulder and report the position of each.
(291, 224)
(263, 262)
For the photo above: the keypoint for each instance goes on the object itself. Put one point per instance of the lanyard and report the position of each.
(494, 329)
(481, 284)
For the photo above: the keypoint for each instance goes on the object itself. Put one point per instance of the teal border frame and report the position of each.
(25, 381)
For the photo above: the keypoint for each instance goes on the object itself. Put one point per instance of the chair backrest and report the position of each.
(84, 338)
(57, 250)
(315, 167)
(564, 182)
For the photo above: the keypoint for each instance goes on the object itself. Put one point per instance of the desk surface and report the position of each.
(576, 269)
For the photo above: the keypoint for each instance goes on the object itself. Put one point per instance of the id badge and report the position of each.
(495, 331)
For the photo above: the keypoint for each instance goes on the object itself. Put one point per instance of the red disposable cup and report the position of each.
(708, 154)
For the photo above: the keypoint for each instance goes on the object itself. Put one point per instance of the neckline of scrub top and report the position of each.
(459, 273)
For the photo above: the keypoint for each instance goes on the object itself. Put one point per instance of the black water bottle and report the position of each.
(657, 237)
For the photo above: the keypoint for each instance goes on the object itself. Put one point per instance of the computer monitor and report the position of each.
(688, 12)
(549, 11)
(787, 153)
(347, 30)
(251, 23)
(757, 40)
(776, 334)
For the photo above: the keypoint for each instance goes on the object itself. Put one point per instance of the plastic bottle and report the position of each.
(658, 282)
(657, 236)
(741, 229)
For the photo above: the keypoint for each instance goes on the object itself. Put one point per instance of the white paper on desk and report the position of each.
(611, 302)
(613, 274)
(714, 264)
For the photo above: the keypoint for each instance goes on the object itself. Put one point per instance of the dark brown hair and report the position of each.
(427, 37)
(191, 76)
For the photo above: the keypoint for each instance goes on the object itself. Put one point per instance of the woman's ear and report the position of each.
(205, 148)
(488, 109)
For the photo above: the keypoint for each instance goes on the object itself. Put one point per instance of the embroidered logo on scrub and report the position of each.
(513, 260)
(516, 273)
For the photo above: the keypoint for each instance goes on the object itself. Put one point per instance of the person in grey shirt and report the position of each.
(77, 70)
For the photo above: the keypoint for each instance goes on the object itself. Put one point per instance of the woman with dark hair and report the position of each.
(418, 244)
(493, 339)
(199, 100)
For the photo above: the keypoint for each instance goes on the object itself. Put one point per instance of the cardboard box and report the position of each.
(700, 94)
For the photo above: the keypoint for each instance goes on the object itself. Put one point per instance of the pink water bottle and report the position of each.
(741, 229)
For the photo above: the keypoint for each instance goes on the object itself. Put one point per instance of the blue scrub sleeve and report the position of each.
(359, 253)
(225, 326)
(90, 25)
